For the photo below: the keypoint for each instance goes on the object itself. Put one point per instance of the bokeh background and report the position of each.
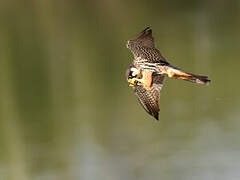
(66, 111)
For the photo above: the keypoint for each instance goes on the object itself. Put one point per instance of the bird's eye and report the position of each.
(131, 75)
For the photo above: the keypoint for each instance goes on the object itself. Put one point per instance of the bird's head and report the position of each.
(132, 72)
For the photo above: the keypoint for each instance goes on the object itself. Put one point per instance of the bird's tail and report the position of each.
(176, 73)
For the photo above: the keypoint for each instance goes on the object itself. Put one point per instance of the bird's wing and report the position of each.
(145, 38)
(149, 98)
(143, 48)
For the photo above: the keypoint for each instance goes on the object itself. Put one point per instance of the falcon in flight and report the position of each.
(148, 70)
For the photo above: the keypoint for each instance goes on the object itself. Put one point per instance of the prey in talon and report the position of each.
(148, 70)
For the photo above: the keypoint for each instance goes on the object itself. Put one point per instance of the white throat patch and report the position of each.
(135, 71)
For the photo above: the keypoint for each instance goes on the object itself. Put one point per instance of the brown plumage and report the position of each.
(149, 98)
(147, 58)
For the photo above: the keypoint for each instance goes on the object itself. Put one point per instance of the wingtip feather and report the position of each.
(155, 115)
(147, 30)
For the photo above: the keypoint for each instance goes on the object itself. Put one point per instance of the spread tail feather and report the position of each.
(177, 73)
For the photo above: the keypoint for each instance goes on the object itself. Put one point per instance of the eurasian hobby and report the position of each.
(148, 69)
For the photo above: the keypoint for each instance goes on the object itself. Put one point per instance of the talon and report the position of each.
(135, 82)
(131, 81)
(138, 80)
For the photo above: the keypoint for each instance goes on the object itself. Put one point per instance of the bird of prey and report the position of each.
(148, 70)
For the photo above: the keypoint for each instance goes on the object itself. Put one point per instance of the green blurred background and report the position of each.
(66, 111)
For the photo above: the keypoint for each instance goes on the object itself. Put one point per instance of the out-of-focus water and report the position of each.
(66, 111)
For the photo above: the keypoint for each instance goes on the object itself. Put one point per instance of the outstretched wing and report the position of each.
(149, 98)
(143, 48)
(144, 38)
